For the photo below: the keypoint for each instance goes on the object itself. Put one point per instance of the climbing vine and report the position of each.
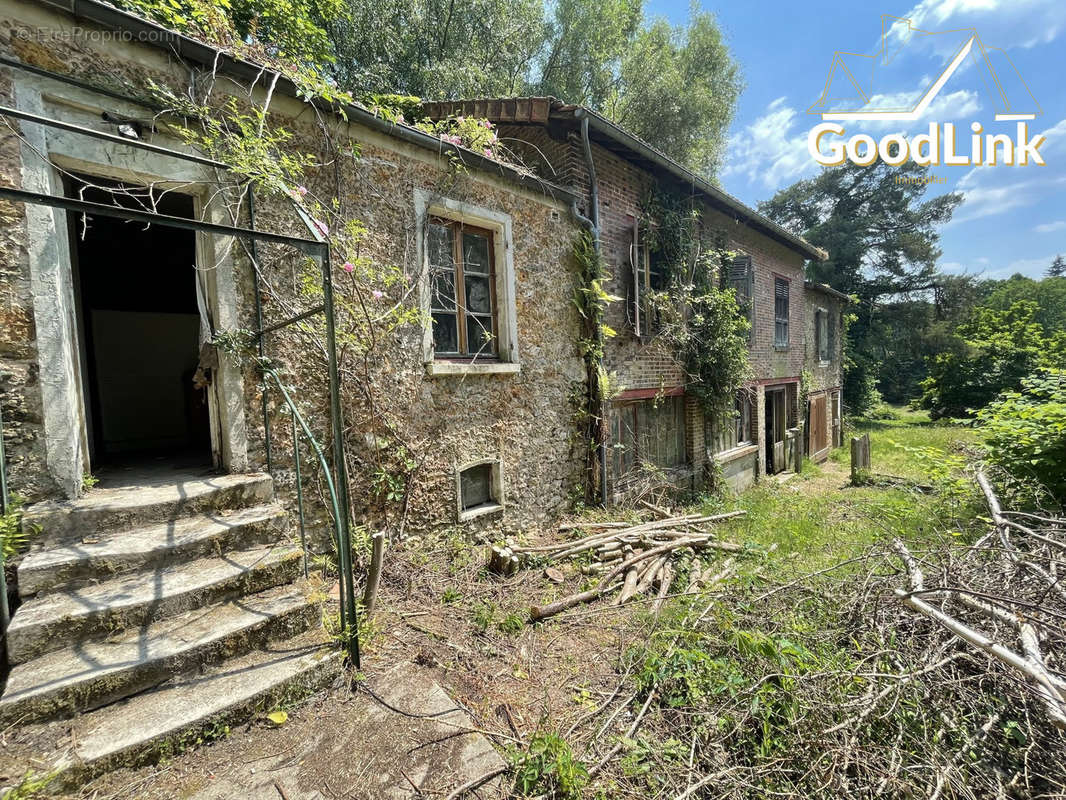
(591, 299)
(694, 313)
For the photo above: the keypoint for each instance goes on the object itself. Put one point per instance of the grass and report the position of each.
(817, 518)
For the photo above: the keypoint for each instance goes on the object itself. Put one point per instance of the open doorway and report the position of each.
(776, 424)
(139, 323)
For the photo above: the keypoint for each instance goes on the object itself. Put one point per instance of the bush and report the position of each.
(1026, 431)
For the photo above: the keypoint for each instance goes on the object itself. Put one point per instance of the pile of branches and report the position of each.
(932, 671)
(632, 558)
(1005, 597)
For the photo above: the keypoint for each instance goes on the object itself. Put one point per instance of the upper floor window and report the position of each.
(648, 278)
(821, 333)
(462, 290)
(740, 276)
(780, 312)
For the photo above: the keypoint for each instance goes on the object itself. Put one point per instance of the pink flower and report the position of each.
(486, 123)
(348, 267)
(323, 228)
(377, 295)
(488, 152)
(301, 190)
(460, 120)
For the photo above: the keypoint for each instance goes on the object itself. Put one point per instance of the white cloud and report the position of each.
(993, 190)
(1001, 23)
(771, 150)
(1050, 227)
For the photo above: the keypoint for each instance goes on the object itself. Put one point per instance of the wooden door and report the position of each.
(818, 424)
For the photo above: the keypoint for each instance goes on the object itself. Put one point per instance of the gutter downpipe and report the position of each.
(592, 222)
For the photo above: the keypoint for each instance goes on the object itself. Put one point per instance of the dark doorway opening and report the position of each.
(139, 323)
(775, 425)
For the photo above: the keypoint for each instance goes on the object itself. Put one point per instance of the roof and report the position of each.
(829, 290)
(540, 110)
(151, 34)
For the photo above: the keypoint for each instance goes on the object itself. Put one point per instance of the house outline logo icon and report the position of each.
(1003, 84)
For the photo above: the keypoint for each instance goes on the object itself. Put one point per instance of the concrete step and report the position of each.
(60, 619)
(136, 504)
(93, 674)
(97, 557)
(195, 707)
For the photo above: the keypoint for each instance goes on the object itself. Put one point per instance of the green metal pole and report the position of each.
(339, 465)
(299, 491)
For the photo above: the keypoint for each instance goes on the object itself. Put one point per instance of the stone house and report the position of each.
(124, 252)
(825, 309)
(653, 419)
(120, 260)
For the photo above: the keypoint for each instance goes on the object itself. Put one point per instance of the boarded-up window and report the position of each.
(649, 432)
(780, 312)
(733, 427)
(462, 290)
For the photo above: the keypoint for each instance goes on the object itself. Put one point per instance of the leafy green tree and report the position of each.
(584, 48)
(1025, 431)
(437, 49)
(998, 350)
(1049, 296)
(677, 89)
(882, 237)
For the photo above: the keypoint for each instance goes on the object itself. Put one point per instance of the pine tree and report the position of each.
(1057, 268)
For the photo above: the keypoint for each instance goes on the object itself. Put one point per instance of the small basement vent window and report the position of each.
(480, 490)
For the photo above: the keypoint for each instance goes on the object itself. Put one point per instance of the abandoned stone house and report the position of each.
(653, 420)
(120, 261)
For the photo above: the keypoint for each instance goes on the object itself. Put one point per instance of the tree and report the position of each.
(998, 349)
(1057, 268)
(437, 49)
(677, 90)
(882, 237)
(675, 87)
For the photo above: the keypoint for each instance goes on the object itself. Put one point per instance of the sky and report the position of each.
(1013, 218)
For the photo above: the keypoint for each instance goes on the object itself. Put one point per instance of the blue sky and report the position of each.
(1013, 218)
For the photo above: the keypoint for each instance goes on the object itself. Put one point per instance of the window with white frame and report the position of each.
(467, 287)
(479, 489)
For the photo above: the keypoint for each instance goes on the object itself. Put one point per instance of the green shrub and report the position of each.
(548, 767)
(1025, 431)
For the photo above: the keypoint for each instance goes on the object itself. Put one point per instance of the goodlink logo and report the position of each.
(860, 89)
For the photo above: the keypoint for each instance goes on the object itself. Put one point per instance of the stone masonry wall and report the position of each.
(524, 420)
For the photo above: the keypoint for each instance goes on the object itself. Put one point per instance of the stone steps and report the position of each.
(93, 674)
(50, 621)
(153, 615)
(100, 556)
(195, 708)
(131, 507)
